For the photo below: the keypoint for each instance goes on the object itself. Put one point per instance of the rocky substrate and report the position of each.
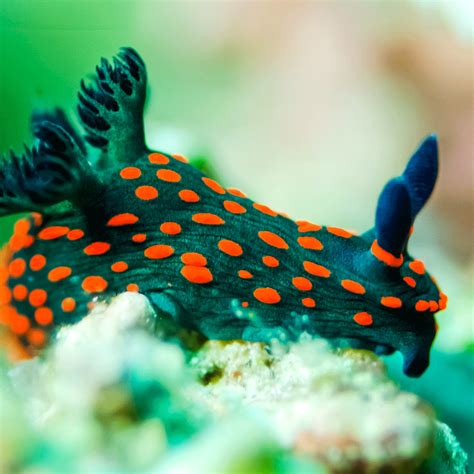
(111, 396)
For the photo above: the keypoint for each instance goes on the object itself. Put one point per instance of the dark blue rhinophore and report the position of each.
(403, 197)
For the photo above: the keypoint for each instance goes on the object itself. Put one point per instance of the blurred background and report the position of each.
(309, 107)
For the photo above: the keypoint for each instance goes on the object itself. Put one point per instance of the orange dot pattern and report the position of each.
(316, 270)
(194, 259)
(207, 219)
(131, 172)
(53, 232)
(270, 261)
(169, 176)
(59, 273)
(234, 207)
(97, 248)
(308, 302)
(94, 284)
(245, 275)
(119, 267)
(188, 195)
(214, 185)
(417, 266)
(230, 247)
(68, 305)
(199, 275)
(310, 243)
(159, 252)
(363, 319)
(170, 228)
(267, 295)
(302, 283)
(391, 302)
(340, 232)
(353, 287)
(158, 159)
(122, 219)
(146, 193)
(236, 192)
(265, 209)
(273, 239)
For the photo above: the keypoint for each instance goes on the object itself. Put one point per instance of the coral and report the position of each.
(110, 395)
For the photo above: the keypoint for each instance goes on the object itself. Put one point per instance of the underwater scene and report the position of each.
(236, 237)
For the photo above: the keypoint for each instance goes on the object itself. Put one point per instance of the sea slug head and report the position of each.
(402, 297)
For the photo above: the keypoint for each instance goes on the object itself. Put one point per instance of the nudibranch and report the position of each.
(207, 257)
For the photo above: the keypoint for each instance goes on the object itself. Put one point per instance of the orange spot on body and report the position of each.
(422, 305)
(244, 274)
(20, 292)
(214, 185)
(19, 324)
(417, 266)
(273, 239)
(53, 232)
(139, 238)
(364, 319)
(97, 248)
(443, 301)
(305, 226)
(44, 316)
(75, 234)
(386, 257)
(22, 226)
(316, 270)
(158, 252)
(433, 306)
(208, 219)
(68, 305)
(131, 172)
(245, 304)
(179, 157)
(94, 284)
(339, 232)
(122, 219)
(158, 159)
(119, 267)
(5, 295)
(194, 259)
(187, 195)
(410, 281)
(302, 283)
(234, 207)
(265, 209)
(310, 243)
(17, 242)
(236, 192)
(391, 302)
(37, 297)
(36, 337)
(169, 176)
(133, 288)
(267, 295)
(353, 287)
(59, 273)
(37, 218)
(199, 275)
(230, 247)
(28, 241)
(146, 193)
(308, 302)
(270, 261)
(170, 228)
(17, 268)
